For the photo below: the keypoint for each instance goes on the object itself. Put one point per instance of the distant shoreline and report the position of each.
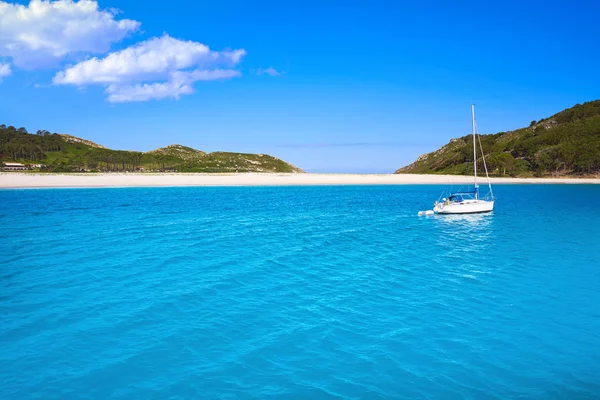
(15, 180)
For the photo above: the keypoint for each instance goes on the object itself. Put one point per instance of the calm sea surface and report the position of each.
(298, 293)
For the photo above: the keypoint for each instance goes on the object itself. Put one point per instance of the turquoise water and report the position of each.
(298, 292)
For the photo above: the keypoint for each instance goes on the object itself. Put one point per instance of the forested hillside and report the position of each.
(65, 153)
(567, 143)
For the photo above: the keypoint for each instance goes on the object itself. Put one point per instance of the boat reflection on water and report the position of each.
(470, 221)
(464, 231)
(465, 243)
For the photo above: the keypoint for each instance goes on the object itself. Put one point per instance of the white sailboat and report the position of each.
(469, 201)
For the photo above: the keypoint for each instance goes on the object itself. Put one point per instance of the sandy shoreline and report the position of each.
(27, 180)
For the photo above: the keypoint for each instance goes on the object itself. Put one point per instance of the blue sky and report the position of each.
(328, 86)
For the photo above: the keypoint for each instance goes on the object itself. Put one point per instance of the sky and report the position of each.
(329, 86)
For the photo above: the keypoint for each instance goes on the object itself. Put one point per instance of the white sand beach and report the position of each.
(29, 180)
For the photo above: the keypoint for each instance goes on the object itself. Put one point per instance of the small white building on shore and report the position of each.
(14, 167)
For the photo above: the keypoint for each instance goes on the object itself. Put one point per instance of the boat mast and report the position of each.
(474, 148)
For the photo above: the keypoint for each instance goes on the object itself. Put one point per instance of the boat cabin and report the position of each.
(460, 197)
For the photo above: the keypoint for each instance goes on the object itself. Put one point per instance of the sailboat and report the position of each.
(468, 201)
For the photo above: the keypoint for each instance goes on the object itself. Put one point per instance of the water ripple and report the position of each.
(314, 292)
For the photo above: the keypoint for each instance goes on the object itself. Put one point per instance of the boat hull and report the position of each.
(470, 207)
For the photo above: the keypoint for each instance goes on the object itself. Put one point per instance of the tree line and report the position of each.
(59, 155)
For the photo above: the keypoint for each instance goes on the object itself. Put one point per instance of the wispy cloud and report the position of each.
(269, 71)
(347, 144)
(5, 71)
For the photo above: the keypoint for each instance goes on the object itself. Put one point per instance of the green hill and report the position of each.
(176, 150)
(66, 153)
(567, 143)
(242, 162)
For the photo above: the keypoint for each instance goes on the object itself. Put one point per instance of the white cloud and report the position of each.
(157, 68)
(45, 32)
(180, 83)
(155, 58)
(4, 71)
(268, 71)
